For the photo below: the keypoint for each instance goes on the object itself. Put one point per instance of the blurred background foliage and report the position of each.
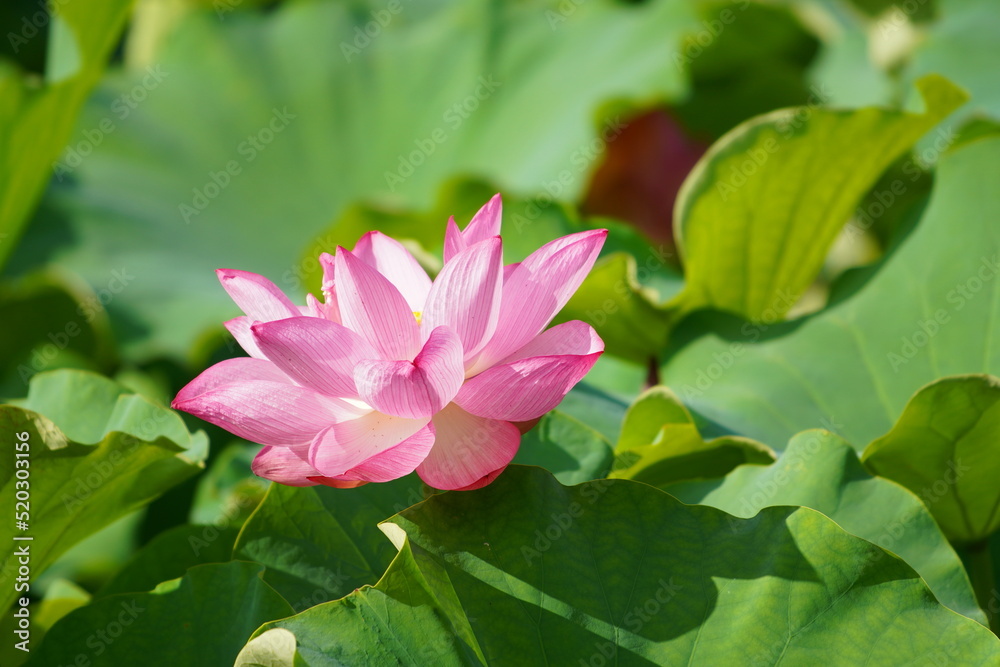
(145, 144)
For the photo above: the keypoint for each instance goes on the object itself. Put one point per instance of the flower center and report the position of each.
(418, 314)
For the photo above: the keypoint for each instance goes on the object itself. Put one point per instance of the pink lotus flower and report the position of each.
(393, 372)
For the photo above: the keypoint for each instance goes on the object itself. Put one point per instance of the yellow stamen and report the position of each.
(417, 314)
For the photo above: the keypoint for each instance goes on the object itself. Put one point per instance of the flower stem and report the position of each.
(652, 373)
(983, 580)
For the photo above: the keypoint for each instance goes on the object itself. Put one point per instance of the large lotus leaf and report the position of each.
(526, 571)
(961, 44)
(568, 448)
(320, 543)
(169, 555)
(54, 323)
(264, 128)
(229, 492)
(758, 214)
(94, 454)
(37, 117)
(919, 316)
(274, 648)
(203, 618)
(820, 471)
(660, 443)
(397, 622)
(946, 449)
(591, 403)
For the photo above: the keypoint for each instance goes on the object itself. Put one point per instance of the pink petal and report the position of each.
(337, 483)
(538, 289)
(390, 258)
(509, 269)
(257, 296)
(574, 337)
(316, 353)
(466, 295)
(524, 389)
(270, 413)
(394, 462)
(524, 427)
(330, 308)
(414, 389)
(328, 262)
(467, 449)
(350, 443)
(453, 241)
(239, 328)
(485, 224)
(283, 465)
(240, 369)
(324, 311)
(529, 386)
(374, 308)
(482, 481)
(314, 307)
